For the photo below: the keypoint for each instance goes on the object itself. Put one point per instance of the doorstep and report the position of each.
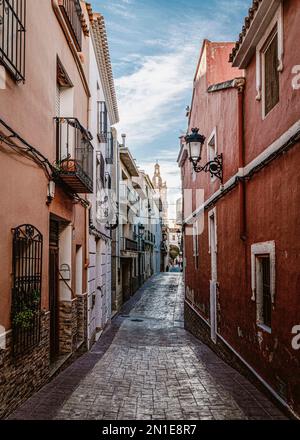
(58, 363)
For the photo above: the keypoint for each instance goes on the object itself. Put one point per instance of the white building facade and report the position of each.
(103, 114)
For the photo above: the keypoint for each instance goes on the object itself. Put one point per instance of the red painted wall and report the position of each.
(272, 213)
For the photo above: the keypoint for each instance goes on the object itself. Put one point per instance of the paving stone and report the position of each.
(152, 369)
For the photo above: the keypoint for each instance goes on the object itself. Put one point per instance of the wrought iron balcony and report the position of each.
(74, 155)
(72, 12)
(130, 245)
(12, 37)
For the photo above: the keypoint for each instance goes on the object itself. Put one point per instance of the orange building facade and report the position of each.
(46, 161)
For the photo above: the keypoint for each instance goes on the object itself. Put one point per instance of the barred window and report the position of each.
(27, 287)
(12, 37)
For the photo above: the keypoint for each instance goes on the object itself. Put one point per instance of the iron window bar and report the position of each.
(72, 12)
(27, 288)
(12, 37)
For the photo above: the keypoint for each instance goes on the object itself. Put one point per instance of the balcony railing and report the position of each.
(72, 12)
(130, 245)
(74, 155)
(12, 37)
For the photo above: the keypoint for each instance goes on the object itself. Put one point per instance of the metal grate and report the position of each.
(27, 285)
(12, 36)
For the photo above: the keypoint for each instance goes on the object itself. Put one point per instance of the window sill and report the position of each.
(265, 328)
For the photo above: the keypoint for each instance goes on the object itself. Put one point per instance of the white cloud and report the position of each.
(153, 96)
(121, 8)
(147, 98)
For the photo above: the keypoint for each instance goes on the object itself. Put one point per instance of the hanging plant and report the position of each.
(35, 296)
(24, 319)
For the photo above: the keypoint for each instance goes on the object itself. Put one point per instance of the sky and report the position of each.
(154, 47)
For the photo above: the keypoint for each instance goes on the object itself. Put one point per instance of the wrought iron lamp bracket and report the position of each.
(214, 167)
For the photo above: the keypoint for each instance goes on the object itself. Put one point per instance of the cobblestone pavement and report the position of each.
(146, 366)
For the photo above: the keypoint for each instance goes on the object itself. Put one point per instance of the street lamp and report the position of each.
(141, 231)
(195, 142)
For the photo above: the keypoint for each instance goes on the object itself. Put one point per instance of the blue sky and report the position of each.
(154, 47)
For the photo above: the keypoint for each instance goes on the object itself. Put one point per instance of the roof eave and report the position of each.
(101, 47)
(260, 16)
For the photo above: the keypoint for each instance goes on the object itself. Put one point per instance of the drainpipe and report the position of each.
(240, 85)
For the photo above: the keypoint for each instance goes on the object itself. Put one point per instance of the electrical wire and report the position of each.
(28, 151)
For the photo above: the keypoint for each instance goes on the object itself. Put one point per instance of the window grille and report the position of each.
(27, 287)
(12, 37)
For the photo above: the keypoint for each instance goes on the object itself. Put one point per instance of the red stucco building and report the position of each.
(242, 242)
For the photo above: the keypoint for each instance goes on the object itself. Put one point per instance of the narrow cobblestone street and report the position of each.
(146, 366)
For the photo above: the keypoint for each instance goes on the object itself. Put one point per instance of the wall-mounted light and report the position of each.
(195, 142)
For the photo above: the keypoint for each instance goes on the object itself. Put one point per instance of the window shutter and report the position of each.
(271, 75)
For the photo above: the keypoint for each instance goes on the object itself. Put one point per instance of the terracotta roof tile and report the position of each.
(248, 20)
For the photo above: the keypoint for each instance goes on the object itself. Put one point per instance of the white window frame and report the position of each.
(212, 213)
(259, 250)
(209, 148)
(260, 81)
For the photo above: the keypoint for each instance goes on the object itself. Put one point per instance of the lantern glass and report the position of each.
(195, 151)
